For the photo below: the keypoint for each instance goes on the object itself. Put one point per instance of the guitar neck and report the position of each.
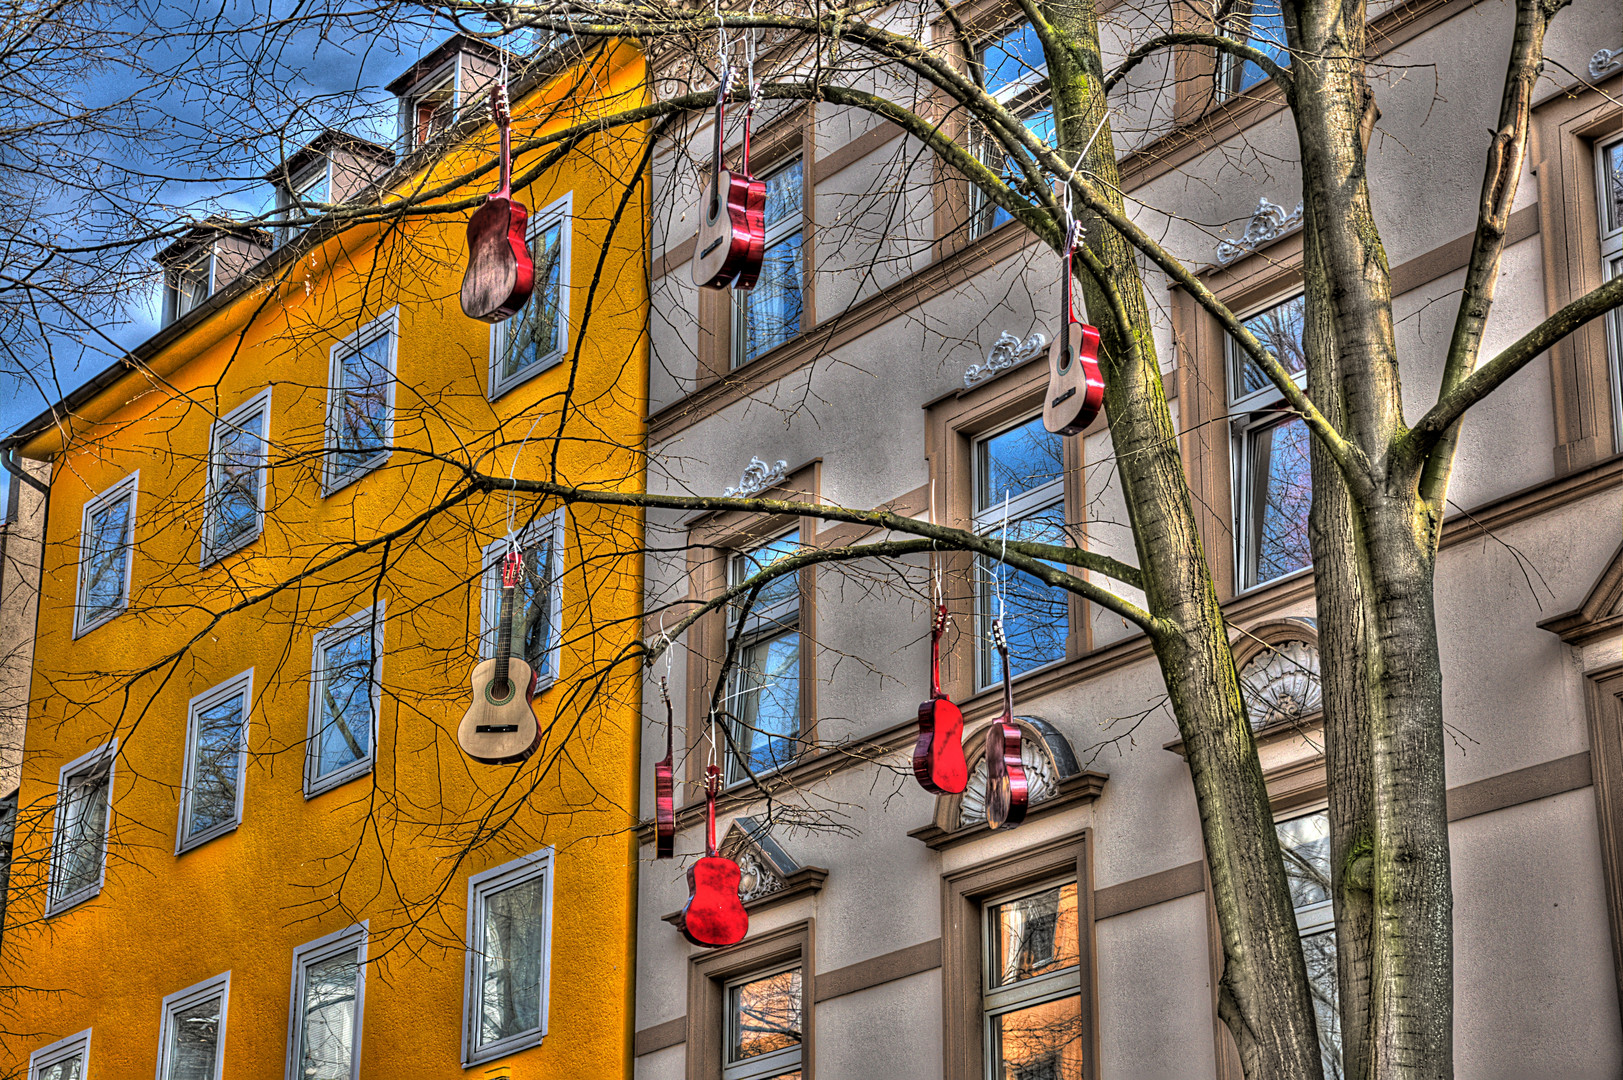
(504, 637)
(715, 154)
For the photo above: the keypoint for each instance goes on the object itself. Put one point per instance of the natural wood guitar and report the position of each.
(731, 242)
(500, 725)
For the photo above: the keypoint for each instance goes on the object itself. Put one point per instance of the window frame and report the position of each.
(128, 486)
(76, 1045)
(776, 233)
(1052, 986)
(385, 325)
(219, 986)
(349, 626)
(259, 404)
(238, 685)
(104, 756)
(490, 599)
(1227, 65)
(290, 196)
(710, 971)
(448, 74)
(1611, 252)
(763, 625)
(766, 1066)
(350, 939)
(1025, 97)
(539, 864)
(174, 278)
(559, 212)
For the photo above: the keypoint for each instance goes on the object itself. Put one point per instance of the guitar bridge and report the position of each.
(710, 247)
(1068, 394)
(495, 729)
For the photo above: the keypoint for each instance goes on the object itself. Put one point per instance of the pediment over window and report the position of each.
(1600, 614)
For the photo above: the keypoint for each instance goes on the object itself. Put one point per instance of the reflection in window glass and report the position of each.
(194, 1042)
(1280, 331)
(235, 481)
(1015, 57)
(106, 554)
(764, 691)
(82, 833)
(1612, 189)
(344, 691)
(69, 1069)
(360, 406)
(1261, 25)
(511, 960)
(533, 602)
(327, 1018)
(1016, 461)
(769, 314)
(1281, 487)
(216, 754)
(764, 1032)
(1305, 844)
(1031, 1003)
(534, 335)
(1042, 1042)
(1034, 935)
(1016, 74)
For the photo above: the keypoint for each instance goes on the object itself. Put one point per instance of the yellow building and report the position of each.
(248, 844)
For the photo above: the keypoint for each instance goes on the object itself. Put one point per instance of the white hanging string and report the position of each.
(998, 575)
(935, 556)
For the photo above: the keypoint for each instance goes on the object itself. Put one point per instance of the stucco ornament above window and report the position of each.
(1007, 352)
(762, 863)
(1268, 222)
(1606, 63)
(757, 477)
(1281, 684)
(1048, 760)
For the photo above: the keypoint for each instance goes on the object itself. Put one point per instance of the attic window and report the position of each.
(190, 285)
(433, 110)
(311, 186)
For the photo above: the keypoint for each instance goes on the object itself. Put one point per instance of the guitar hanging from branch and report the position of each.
(938, 757)
(1076, 389)
(1007, 790)
(731, 242)
(500, 726)
(714, 916)
(500, 274)
(665, 785)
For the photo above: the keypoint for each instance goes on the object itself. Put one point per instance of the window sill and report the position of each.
(501, 389)
(192, 843)
(312, 788)
(58, 907)
(81, 629)
(510, 1045)
(332, 486)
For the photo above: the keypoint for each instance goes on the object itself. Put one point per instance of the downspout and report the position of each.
(8, 460)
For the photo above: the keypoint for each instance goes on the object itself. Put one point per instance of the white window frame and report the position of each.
(259, 404)
(217, 987)
(350, 939)
(1611, 252)
(62, 1050)
(387, 324)
(1034, 86)
(550, 528)
(1248, 415)
(538, 864)
(238, 685)
(560, 212)
(103, 757)
(764, 623)
(173, 291)
(347, 627)
(130, 486)
(990, 519)
(1023, 994)
(448, 74)
(776, 233)
(1228, 63)
(289, 197)
(764, 1066)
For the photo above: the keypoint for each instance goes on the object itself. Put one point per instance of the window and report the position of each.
(324, 1021)
(763, 1036)
(346, 684)
(1016, 74)
(538, 336)
(1261, 25)
(433, 110)
(360, 403)
(769, 314)
(236, 478)
(84, 800)
(1305, 844)
(1273, 485)
(187, 286)
(1020, 473)
(537, 602)
(191, 1032)
(1610, 162)
(65, 1059)
(106, 541)
(216, 758)
(314, 185)
(1031, 1007)
(509, 958)
(764, 685)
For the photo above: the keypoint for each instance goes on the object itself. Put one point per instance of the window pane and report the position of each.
(532, 607)
(785, 197)
(771, 311)
(1034, 935)
(327, 1034)
(194, 1042)
(1043, 1042)
(236, 480)
(1040, 124)
(1320, 952)
(766, 703)
(361, 402)
(533, 335)
(1280, 331)
(1613, 198)
(1263, 29)
(514, 941)
(1016, 461)
(108, 558)
(1016, 55)
(346, 703)
(71, 1069)
(216, 756)
(748, 563)
(1282, 491)
(1305, 842)
(765, 1016)
(84, 835)
(1036, 616)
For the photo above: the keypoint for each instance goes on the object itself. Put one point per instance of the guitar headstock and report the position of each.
(939, 624)
(712, 780)
(726, 84)
(1073, 238)
(512, 570)
(999, 640)
(498, 104)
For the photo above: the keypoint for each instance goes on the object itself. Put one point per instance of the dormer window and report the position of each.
(332, 168)
(314, 185)
(433, 110)
(207, 258)
(188, 286)
(455, 75)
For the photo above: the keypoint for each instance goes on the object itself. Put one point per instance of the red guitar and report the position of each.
(732, 226)
(714, 916)
(1006, 788)
(664, 787)
(938, 757)
(1076, 389)
(500, 274)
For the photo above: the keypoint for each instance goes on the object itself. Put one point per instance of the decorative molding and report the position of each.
(1281, 684)
(769, 875)
(1071, 792)
(757, 476)
(1268, 222)
(1606, 63)
(1007, 352)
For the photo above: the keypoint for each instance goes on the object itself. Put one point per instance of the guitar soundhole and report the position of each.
(1064, 362)
(499, 694)
(495, 729)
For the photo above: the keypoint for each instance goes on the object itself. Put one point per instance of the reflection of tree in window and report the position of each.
(194, 1042)
(533, 334)
(346, 703)
(214, 767)
(1304, 843)
(1035, 1029)
(328, 1041)
(236, 480)
(361, 404)
(1261, 25)
(764, 691)
(71, 1069)
(1273, 479)
(513, 945)
(1016, 76)
(84, 833)
(532, 607)
(764, 1030)
(1282, 486)
(107, 559)
(769, 314)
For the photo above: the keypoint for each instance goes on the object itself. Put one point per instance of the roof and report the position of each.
(456, 43)
(329, 140)
(211, 228)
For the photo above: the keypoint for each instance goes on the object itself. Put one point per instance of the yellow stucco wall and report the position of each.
(395, 847)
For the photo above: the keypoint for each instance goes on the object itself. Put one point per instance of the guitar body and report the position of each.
(1076, 389)
(732, 236)
(938, 756)
(714, 916)
(499, 729)
(500, 274)
(1006, 788)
